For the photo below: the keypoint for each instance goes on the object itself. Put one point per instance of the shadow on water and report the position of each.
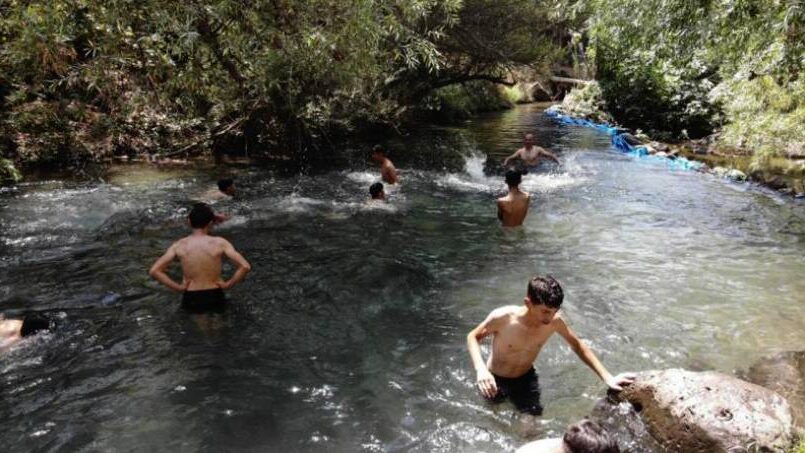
(349, 333)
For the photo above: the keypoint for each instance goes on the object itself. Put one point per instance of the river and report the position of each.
(349, 334)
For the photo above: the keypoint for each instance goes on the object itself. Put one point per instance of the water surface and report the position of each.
(349, 333)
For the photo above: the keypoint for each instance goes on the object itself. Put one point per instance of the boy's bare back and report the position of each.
(201, 258)
(513, 208)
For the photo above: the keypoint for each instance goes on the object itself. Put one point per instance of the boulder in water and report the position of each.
(736, 175)
(785, 374)
(710, 412)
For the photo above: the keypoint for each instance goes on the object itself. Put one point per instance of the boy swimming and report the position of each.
(518, 334)
(14, 330)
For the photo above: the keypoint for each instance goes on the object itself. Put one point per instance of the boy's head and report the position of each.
(528, 140)
(227, 186)
(513, 178)
(377, 154)
(588, 436)
(376, 191)
(33, 324)
(201, 216)
(545, 295)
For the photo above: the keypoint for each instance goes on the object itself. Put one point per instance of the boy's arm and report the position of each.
(549, 155)
(243, 266)
(588, 357)
(500, 211)
(513, 156)
(485, 380)
(157, 270)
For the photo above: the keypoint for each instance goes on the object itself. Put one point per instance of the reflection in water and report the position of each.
(349, 333)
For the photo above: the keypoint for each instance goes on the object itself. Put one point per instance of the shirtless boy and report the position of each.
(14, 330)
(201, 257)
(513, 207)
(518, 334)
(387, 170)
(530, 154)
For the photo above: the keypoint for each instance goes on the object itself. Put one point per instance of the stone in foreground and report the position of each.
(709, 412)
(785, 374)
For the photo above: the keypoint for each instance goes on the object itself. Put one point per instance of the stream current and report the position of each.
(349, 334)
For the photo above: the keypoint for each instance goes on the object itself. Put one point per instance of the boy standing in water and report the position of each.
(513, 207)
(530, 154)
(518, 334)
(201, 257)
(387, 170)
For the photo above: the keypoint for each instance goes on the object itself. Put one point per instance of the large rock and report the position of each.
(709, 412)
(785, 374)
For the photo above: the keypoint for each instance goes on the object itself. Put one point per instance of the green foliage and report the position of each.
(659, 60)
(88, 78)
(764, 116)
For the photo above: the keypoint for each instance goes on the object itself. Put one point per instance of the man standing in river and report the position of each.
(387, 169)
(518, 334)
(530, 154)
(201, 256)
(513, 207)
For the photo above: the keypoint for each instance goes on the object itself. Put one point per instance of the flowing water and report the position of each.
(349, 334)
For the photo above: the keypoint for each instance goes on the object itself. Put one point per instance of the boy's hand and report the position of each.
(486, 384)
(617, 383)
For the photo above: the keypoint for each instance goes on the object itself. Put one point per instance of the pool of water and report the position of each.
(349, 334)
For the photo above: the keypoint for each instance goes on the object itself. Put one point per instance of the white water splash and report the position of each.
(473, 178)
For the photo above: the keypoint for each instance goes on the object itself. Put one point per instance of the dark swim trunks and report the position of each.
(204, 301)
(523, 391)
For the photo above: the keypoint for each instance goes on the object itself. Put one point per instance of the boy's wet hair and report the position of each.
(224, 184)
(33, 324)
(201, 215)
(545, 290)
(376, 189)
(588, 436)
(378, 149)
(513, 177)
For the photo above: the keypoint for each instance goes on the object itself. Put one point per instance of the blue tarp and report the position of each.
(621, 144)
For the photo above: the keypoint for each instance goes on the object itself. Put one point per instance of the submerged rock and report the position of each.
(785, 374)
(709, 412)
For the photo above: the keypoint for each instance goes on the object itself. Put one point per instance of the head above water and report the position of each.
(378, 153)
(528, 140)
(545, 291)
(513, 178)
(227, 186)
(588, 436)
(201, 216)
(376, 191)
(33, 324)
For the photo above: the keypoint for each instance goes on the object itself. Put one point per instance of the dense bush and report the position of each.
(684, 68)
(82, 79)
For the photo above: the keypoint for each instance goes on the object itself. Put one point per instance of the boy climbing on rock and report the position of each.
(518, 334)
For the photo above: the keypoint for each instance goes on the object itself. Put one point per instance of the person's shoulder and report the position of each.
(543, 446)
(504, 311)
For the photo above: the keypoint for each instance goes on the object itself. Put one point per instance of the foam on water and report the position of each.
(473, 179)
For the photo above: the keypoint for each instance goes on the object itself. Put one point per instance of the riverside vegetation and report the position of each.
(85, 80)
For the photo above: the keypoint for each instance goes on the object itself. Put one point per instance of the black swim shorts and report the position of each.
(523, 391)
(204, 301)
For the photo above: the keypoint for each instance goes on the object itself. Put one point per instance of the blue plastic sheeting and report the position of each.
(620, 143)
